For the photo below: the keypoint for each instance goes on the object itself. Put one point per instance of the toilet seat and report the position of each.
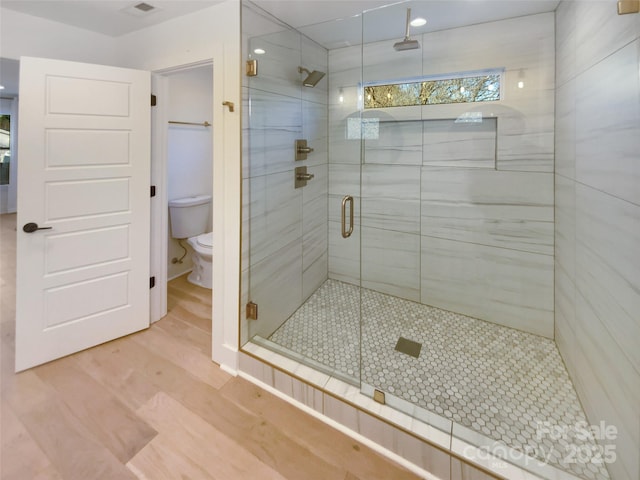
(205, 240)
(202, 244)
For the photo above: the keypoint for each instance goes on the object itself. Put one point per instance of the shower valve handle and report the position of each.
(302, 149)
(305, 176)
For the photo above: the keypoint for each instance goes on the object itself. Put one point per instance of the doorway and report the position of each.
(155, 247)
(182, 166)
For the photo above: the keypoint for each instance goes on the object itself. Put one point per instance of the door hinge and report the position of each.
(152, 282)
(154, 100)
(153, 190)
(628, 6)
(252, 68)
(252, 311)
(378, 396)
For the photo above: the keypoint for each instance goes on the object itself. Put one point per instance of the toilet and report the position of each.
(189, 220)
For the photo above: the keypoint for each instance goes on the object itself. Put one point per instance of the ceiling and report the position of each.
(339, 23)
(108, 17)
(119, 17)
(331, 23)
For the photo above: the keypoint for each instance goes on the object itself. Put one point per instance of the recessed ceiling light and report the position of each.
(418, 22)
(1, 87)
(259, 51)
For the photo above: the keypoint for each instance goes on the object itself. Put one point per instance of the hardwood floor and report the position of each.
(153, 406)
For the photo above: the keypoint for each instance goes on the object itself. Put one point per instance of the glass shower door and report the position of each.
(273, 213)
(292, 271)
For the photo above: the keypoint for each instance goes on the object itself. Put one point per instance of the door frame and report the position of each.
(159, 241)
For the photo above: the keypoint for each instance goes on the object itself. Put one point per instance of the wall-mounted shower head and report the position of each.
(407, 43)
(312, 77)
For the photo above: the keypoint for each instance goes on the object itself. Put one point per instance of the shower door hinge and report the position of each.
(628, 6)
(378, 396)
(252, 311)
(252, 68)
(154, 100)
(153, 190)
(152, 282)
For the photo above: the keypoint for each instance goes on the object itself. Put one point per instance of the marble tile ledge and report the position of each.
(265, 366)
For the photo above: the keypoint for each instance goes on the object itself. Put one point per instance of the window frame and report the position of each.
(499, 71)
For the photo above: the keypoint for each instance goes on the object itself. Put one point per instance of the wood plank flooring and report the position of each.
(153, 406)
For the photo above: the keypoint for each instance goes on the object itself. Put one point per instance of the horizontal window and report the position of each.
(467, 88)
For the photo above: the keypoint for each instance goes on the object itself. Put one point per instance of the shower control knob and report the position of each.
(302, 177)
(302, 149)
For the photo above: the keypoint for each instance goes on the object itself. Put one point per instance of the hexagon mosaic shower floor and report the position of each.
(495, 380)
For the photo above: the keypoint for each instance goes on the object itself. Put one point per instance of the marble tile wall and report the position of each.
(489, 282)
(424, 183)
(597, 266)
(512, 210)
(285, 230)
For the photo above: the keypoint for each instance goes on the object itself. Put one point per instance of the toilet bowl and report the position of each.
(190, 219)
(202, 259)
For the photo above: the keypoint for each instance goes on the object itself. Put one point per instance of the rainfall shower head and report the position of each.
(407, 43)
(312, 77)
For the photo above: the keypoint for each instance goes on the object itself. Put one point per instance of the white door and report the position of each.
(84, 140)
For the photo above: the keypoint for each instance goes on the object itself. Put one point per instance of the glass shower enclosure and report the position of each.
(398, 216)
(287, 221)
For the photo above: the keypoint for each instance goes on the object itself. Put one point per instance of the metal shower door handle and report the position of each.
(347, 199)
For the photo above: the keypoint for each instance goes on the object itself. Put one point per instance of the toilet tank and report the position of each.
(189, 216)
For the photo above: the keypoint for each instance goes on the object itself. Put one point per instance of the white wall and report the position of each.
(26, 35)
(441, 224)
(190, 147)
(8, 193)
(597, 186)
(212, 33)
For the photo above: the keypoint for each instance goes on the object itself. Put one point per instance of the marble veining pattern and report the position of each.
(607, 239)
(398, 142)
(283, 267)
(389, 262)
(391, 197)
(607, 144)
(598, 216)
(565, 137)
(501, 209)
(274, 123)
(275, 214)
(454, 144)
(509, 287)
(497, 381)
